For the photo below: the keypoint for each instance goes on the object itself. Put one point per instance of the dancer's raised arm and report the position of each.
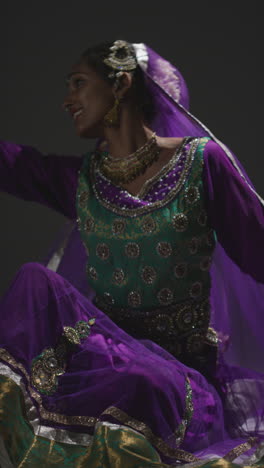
(49, 179)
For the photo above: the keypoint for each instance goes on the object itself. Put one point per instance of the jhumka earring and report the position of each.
(112, 118)
(121, 58)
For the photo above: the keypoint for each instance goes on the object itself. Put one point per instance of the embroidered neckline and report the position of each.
(148, 206)
(148, 184)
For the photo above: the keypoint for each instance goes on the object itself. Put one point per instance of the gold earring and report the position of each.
(112, 118)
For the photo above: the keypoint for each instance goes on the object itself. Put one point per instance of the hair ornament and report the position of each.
(122, 58)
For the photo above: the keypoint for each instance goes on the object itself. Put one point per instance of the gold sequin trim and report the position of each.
(196, 289)
(132, 250)
(212, 337)
(192, 194)
(45, 370)
(148, 225)
(118, 276)
(164, 249)
(188, 413)
(180, 270)
(89, 421)
(89, 225)
(51, 363)
(108, 298)
(102, 251)
(46, 415)
(157, 442)
(186, 317)
(240, 449)
(131, 212)
(118, 226)
(165, 296)
(148, 274)
(134, 299)
(165, 169)
(83, 198)
(92, 273)
(180, 222)
(162, 323)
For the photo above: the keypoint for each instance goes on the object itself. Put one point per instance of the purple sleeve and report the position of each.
(234, 211)
(48, 179)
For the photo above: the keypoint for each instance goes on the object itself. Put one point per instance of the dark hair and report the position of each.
(94, 55)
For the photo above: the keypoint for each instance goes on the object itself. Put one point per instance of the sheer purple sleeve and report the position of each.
(234, 211)
(48, 179)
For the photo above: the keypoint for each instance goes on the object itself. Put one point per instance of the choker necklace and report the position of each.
(125, 170)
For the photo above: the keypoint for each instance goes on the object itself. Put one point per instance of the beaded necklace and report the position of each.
(125, 170)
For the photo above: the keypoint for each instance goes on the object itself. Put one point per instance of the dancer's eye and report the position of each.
(78, 82)
(74, 82)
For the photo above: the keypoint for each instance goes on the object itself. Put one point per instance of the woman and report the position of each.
(129, 371)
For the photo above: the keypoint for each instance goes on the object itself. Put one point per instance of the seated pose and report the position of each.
(139, 341)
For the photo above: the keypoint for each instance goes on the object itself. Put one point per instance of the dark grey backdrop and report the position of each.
(216, 45)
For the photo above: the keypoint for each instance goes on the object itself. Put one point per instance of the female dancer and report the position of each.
(129, 369)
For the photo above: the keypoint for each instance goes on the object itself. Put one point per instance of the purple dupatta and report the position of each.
(237, 298)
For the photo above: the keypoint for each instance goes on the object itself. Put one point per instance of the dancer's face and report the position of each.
(90, 94)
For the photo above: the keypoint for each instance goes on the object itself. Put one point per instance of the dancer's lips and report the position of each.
(76, 114)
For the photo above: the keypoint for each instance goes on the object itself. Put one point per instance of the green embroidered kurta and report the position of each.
(149, 264)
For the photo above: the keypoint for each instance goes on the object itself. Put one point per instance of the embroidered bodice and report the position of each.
(149, 256)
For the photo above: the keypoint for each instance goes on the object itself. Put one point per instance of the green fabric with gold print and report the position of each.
(155, 260)
(173, 235)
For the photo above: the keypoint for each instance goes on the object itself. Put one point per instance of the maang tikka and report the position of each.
(121, 58)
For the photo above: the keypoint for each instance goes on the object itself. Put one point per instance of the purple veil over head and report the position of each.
(237, 299)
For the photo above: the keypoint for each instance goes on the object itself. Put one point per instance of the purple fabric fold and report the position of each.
(109, 369)
(143, 379)
(48, 179)
(234, 212)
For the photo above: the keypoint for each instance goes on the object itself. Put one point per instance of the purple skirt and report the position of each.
(111, 376)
